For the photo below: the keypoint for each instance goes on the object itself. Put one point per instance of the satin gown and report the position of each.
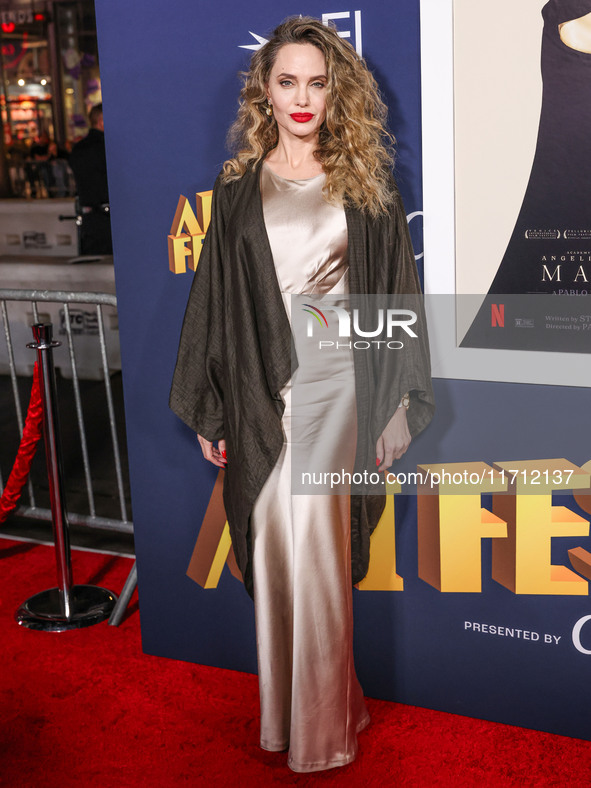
(311, 700)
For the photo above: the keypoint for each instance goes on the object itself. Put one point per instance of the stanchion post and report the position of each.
(68, 606)
(44, 344)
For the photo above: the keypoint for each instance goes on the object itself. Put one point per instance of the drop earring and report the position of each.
(269, 109)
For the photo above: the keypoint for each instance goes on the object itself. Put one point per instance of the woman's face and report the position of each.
(297, 89)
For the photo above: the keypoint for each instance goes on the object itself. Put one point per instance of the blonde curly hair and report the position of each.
(355, 148)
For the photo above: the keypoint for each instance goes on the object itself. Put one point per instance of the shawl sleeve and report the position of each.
(385, 268)
(407, 370)
(197, 393)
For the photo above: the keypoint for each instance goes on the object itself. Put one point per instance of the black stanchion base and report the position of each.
(90, 605)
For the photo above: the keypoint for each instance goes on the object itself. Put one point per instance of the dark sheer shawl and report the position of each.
(236, 348)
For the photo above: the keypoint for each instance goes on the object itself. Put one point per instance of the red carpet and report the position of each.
(88, 709)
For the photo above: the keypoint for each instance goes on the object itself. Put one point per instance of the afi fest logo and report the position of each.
(344, 17)
(387, 319)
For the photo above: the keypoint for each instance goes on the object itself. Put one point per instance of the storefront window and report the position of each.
(49, 81)
(80, 76)
(26, 80)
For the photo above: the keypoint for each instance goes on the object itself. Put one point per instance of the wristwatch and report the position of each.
(405, 401)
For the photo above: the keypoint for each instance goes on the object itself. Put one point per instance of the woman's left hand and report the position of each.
(393, 441)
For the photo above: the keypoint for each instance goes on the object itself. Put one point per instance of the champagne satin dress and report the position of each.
(311, 700)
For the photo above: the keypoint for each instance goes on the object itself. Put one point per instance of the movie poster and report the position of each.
(522, 148)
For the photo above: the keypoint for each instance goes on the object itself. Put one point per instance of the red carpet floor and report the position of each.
(88, 709)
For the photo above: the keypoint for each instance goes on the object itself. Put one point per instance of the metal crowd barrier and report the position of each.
(98, 300)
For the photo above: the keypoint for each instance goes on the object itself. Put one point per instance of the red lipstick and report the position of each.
(301, 117)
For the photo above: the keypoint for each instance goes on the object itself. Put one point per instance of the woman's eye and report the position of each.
(318, 84)
(286, 83)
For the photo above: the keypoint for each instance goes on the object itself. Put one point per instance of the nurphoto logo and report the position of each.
(385, 323)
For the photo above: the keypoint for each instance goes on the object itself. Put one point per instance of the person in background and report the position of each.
(59, 171)
(36, 168)
(89, 165)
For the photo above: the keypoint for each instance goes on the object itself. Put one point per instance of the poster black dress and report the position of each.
(550, 249)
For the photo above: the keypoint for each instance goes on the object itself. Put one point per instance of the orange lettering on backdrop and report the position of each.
(522, 562)
(451, 525)
(213, 547)
(187, 232)
(382, 575)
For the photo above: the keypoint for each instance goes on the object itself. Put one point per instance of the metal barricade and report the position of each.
(99, 301)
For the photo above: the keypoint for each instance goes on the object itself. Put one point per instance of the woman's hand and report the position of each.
(393, 441)
(216, 455)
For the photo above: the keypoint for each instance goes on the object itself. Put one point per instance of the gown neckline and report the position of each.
(292, 180)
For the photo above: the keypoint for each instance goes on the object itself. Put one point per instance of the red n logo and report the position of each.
(497, 315)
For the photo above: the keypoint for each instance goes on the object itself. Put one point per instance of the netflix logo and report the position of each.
(497, 315)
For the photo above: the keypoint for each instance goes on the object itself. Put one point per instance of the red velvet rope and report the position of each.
(26, 451)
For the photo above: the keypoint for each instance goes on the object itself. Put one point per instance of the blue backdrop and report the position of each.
(170, 90)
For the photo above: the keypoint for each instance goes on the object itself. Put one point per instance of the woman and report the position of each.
(308, 205)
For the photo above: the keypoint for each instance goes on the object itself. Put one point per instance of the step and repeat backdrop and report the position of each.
(477, 599)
